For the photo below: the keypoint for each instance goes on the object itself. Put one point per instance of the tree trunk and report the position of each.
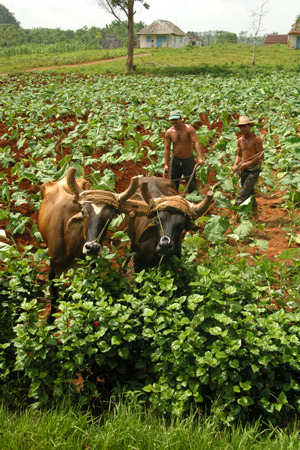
(130, 40)
(254, 50)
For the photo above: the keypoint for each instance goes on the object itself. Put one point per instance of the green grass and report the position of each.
(19, 63)
(58, 47)
(219, 58)
(127, 426)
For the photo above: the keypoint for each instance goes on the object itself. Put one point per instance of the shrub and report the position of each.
(21, 282)
(196, 335)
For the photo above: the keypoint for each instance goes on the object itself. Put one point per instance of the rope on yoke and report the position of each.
(102, 231)
(160, 224)
(174, 202)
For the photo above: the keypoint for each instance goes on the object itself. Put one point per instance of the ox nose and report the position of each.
(91, 248)
(165, 245)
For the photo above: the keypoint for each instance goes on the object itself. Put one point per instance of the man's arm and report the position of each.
(167, 151)
(197, 146)
(238, 158)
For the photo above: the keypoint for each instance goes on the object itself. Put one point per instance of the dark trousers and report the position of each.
(183, 167)
(248, 180)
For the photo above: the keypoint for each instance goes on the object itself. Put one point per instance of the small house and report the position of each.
(194, 39)
(109, 42)
(294, 35)
(276, 39)
(162, 33)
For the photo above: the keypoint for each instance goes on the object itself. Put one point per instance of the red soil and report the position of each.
(271, 213)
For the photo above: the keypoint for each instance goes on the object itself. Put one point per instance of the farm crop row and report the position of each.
(188, 323)
(101, 121)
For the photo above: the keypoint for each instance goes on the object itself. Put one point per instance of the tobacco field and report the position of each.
(216, 331)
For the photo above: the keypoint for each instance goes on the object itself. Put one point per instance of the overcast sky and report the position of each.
(189, 15)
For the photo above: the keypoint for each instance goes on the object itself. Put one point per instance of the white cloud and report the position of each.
(189, 15)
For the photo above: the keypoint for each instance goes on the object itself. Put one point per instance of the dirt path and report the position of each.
(88, 63)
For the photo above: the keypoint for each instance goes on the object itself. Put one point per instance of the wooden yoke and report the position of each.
(137, 207)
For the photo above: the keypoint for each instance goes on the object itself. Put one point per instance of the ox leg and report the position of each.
(178, 250)
(139, 264)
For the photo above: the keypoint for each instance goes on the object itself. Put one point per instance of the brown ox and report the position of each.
(73, 220)
(159, 232)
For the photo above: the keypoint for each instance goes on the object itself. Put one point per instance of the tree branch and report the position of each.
(108, 7)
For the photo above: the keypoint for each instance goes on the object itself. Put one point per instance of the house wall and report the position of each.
(195, 42)
(294, 41)
(156, 41)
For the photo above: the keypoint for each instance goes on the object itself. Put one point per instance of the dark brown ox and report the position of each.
(158, 234)
(73, 220)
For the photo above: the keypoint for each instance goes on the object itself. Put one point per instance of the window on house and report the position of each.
(148, 38)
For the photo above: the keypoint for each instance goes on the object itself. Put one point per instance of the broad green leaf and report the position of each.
(78, 358)
(123, 352)
(115, 340)
(215, 229)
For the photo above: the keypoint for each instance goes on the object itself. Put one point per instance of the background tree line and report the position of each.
(214, 37)
(11, 34)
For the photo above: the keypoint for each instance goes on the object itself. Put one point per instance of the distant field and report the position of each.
(221, 58)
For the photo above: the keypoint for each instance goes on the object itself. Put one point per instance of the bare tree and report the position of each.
(256, 25)
(117, 8)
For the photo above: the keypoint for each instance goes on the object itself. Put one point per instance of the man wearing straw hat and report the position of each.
(248, 161)
(183, 138)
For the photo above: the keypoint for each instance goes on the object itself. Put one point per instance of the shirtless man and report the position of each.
(248, 161)
(184, 138)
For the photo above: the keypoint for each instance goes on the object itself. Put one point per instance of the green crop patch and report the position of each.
(217, 331)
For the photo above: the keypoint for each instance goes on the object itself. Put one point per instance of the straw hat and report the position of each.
(244, 120)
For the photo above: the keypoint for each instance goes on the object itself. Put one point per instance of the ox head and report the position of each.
(97, 208)
(170, 217)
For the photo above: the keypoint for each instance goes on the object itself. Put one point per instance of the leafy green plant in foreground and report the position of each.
(20, 281)
(200, 335)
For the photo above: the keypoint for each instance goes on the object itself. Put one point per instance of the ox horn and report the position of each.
(123, 196)
(146, 193)
(201, 207)
(72, 182)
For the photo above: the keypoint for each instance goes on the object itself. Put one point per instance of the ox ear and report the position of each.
(191, 226)
(148, 233)
(75, 221)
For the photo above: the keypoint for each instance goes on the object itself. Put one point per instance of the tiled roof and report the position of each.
(276, 39)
